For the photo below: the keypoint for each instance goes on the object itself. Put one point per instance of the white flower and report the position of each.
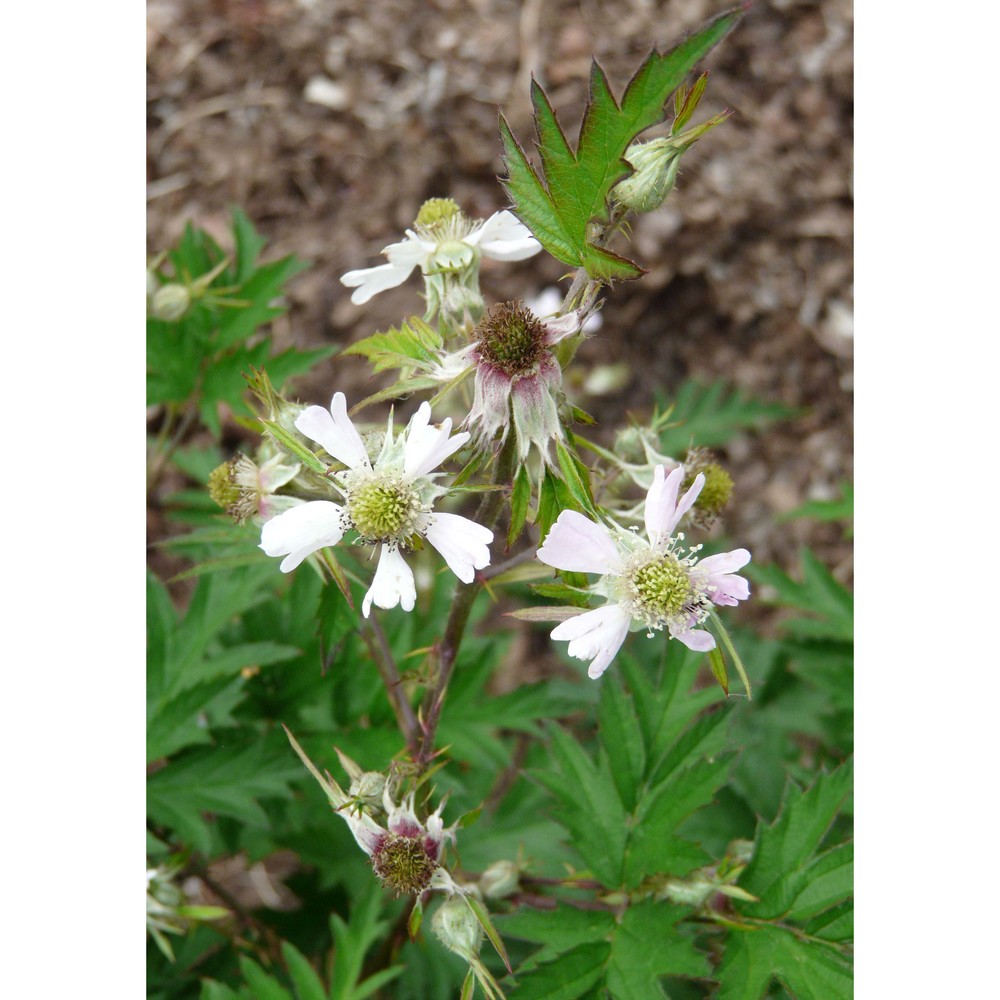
(650, 584)
(388, 502)
(443, 240)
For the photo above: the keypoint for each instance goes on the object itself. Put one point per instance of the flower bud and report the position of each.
(500, 880)
(457, 927)
(170, 302)
(655, 166)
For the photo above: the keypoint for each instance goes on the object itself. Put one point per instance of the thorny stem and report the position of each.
(461, 607)
(378, 645)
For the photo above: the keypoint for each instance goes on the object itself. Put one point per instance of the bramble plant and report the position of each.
(654, 829)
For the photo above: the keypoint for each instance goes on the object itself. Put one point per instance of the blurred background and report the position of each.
(330, 123)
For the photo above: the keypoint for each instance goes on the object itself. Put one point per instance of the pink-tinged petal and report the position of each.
(686, 502)
(696, 639)
(302, 530)
(463, 544)
(596, 636)
(491, 402)
(660, 502)
(366, 831)
(533, 405)
(334, 430)
(729, 589)
(393, 583)
(559, 327)
(724, 562)
(428, 446)
(578, 545)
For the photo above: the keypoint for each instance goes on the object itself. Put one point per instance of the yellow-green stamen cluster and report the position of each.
(434, 211)
(403, 864)
(663, 585)
(718, 488)
(511, 337)
(383, 510)
(235, 487)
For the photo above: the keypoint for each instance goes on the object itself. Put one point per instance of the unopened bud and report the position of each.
(689, 893)
(170, 302)
(500, 880)
(457, 927)
(656, 163)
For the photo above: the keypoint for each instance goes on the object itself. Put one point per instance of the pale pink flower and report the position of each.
(650, 583)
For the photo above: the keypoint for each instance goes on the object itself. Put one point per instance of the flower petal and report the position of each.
(463, 544)
(369, 281)
(559, 327)
(302, 530)
(366, 831)
(578, 545)
(595, 635)
(393, 583)
(686, 502)
(724, 562)
(335, 431)
(504, 237)
(660, 503)
(428, 446)
(697, 639)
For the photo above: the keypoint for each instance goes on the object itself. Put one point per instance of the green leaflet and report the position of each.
(572, 189)
(414, 343)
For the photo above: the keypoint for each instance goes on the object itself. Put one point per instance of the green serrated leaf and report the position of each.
(414, 343)
(577, 182)
(754, 958)
(779, 872)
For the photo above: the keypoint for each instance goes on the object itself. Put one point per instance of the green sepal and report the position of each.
(290, 443)
(416, 918)
(519, 498)
(718, 664)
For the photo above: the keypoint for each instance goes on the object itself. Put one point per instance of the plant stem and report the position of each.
(461, 606)
(378, 645)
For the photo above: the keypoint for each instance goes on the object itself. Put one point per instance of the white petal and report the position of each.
(369, 281)
(504, 237)
(335, 431)
(596, 636)
(302, 530)
(427, 446)
(578, 545)
(463, 544)
(393, 583)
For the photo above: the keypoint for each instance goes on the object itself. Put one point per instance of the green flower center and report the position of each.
(716, 492)
(403, 864)
(382, 511)
(511, 337)
(663, 585)
(436, 210)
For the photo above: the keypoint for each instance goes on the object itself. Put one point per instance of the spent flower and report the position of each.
(651, 583)
(518, 378)
(388, 500)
